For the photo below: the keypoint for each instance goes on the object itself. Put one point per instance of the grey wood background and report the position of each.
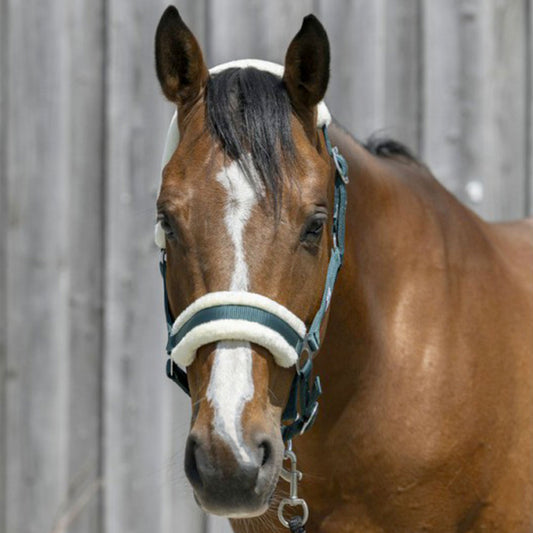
(91, 432)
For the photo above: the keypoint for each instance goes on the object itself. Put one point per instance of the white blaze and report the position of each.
(231, 385)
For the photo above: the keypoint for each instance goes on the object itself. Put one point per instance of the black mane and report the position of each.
(386, 147)
(249, 112)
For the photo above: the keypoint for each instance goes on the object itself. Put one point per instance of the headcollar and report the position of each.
(240, 315)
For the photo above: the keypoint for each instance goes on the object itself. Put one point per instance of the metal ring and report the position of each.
(293, 503)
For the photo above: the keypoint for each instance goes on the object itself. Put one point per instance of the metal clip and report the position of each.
(340, 164)
(310, 419)
(293, 476)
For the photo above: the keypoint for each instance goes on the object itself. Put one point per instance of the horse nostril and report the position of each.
(191, 465)
(266, 450)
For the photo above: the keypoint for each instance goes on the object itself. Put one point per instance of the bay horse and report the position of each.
(425, 352)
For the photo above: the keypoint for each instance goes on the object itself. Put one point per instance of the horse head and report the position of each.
(244, 214)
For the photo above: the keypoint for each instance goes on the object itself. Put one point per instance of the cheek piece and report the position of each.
(246, 316)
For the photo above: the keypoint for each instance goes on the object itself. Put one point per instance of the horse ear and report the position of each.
(179, 63)
(307, 66)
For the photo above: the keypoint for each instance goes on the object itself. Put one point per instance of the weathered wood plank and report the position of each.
(37, 265)
(503, 87)
(139, 444)
(81, 510)
(3, 259)
(262, 30)
(374, 83)
(403, 72)
(441, 142)
(356, 94)
(474, 117)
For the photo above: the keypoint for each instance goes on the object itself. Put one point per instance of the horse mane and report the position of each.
(387, 147)
(249, 114)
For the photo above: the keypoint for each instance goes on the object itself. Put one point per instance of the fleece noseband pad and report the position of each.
(240, 316)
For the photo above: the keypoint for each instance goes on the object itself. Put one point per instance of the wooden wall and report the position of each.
(92, 433)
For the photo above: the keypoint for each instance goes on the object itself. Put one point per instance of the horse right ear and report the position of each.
(179, 62)
(307, 67)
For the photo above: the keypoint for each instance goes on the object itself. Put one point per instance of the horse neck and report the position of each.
(399, 221)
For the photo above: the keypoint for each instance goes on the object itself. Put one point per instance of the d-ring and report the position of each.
(293, 502)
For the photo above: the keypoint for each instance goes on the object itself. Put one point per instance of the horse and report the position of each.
(423, 348)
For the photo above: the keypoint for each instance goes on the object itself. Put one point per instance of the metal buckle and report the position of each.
(338, 159)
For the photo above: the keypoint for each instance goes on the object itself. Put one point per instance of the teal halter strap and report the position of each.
(337, 252)
(303, 394)
(302, 406)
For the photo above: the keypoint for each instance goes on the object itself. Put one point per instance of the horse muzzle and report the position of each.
(230, 485)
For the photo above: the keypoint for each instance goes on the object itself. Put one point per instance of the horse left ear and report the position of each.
(306, 73)
(179, 61)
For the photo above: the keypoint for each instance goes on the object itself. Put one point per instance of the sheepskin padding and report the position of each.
(236, 329)
(184, 353)
(252, 299)
(159, 236)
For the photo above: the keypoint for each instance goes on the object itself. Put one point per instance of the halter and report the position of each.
(244, 316)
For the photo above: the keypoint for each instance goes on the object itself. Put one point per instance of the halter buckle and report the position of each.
(340, 164)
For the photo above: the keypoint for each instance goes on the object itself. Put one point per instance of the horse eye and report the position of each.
(313, 229)
(166, 226)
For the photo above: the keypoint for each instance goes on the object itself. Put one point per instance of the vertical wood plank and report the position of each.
(53, 165)
(37, 265)
(474, 116)
(504, 112)
(241, 29)
(356, 95)
(3, 246)
(441, 143)
(141, 483)
(81, 509)
(375, 75)
(403, 72)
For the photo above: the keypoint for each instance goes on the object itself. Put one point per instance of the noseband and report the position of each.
(245, 316)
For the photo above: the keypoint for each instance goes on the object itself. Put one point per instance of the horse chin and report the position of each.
(239, 511)
(239, 504)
